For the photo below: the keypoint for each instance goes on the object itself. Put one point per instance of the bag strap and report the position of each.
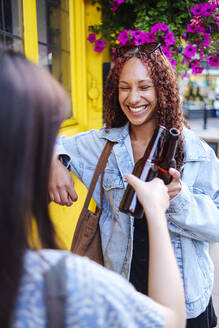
(101, 164)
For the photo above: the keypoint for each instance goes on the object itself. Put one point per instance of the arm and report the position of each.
(61, 184)
(153, 196)
(100, 297)
(80, 153)
(194, 207)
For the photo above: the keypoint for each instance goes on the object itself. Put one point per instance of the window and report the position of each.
(11, 24)
(53, 40)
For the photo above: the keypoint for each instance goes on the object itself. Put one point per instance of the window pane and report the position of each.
(11, 24)
(15, 44)
(12, 17)
(44, 56)
(53, 37)
(53, 23)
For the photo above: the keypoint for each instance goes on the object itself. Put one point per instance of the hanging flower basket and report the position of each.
(186, 42)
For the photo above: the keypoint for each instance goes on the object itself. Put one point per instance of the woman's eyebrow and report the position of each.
(146, 80)
(141, 81)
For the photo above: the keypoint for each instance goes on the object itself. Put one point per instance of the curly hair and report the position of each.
(168, 109)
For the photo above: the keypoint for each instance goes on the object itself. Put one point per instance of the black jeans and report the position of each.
(206, 319)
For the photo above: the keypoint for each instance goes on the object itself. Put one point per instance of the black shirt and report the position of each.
(140, 258)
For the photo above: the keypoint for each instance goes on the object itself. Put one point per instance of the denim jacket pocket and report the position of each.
(113, 186)
(112, 180)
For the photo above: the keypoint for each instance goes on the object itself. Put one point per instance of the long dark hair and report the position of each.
(169, 112)
(32, 106)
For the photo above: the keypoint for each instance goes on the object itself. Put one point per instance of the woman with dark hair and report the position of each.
(32, 107)
(142, 93)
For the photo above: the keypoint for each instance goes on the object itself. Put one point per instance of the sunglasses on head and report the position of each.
(139, 50)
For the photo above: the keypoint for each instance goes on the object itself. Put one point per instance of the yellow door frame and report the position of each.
(30, 30)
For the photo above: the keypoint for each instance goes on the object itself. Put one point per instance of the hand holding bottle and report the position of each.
(152, 195)
(174, 187)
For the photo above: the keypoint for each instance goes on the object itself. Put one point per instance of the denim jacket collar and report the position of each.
(115, 134)
(194, 148)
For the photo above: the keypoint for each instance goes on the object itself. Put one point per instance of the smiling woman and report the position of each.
(137, 94)
(141, 93)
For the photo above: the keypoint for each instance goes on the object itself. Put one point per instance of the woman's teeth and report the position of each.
(138, 109)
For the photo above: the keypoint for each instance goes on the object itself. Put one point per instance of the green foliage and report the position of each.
(142, 14)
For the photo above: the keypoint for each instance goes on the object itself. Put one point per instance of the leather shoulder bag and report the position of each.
(87, 239)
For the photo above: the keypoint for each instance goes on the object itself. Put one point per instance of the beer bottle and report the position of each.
(145, 169)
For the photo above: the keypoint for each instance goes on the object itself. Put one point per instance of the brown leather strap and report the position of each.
(101, 164)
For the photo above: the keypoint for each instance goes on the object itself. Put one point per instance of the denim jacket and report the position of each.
(193, 215)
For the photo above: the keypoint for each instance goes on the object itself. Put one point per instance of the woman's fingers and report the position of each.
(174, 187)
(151, 193)
(61, 184)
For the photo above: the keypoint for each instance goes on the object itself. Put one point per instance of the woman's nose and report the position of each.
(133, 97)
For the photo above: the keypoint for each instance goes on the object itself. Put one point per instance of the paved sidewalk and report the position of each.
(212, 132)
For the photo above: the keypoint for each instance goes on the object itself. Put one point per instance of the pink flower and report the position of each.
(91, 37)
(123, 37)
(167, 51)
(173, 62)
(139, 37)
(116, 4)
(206, 37)
(185, 60)
(192, 28)
(201, 29)
(201, 53)
(163, 27)
(216, 2)
(150, 37)
(190, 51)
(155, 28)
(208, 9)
(197, 70)
(136, 34)
(198, 42)
(114, 52)
(194, 63)
(196, 21)
(169, 39)
(213, 61)
(196, 10)
(185, 75)
(99, 45)
(159, 27)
